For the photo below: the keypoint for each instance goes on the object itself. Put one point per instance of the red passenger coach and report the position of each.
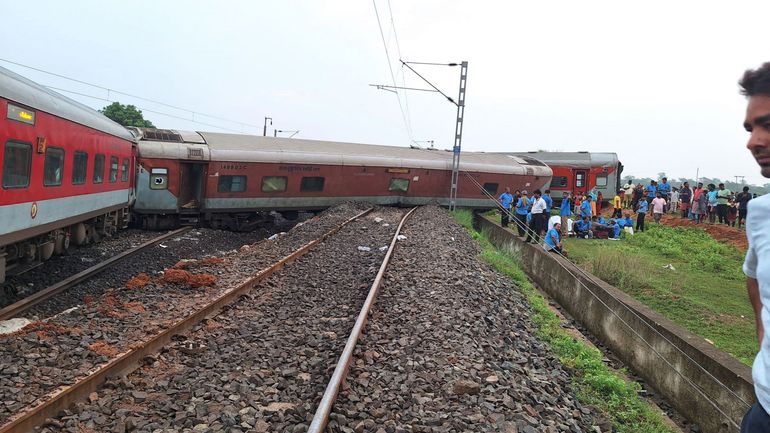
(231, 180)
(579, 172)
(66, 173)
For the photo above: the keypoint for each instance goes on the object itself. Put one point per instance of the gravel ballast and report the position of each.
(131, 306)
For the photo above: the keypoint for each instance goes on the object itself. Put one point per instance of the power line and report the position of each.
(403, 75)
(392, 75)
(142, 108)
(110, 90)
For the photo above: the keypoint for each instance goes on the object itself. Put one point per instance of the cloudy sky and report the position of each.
(653, 81)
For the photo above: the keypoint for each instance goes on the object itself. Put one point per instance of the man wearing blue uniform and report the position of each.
(521, 212)
(505, 203)
(583, 228)
(565, 212)
(651, 190)
(585, 208)
(665, 188)
(615, 229)
(553, 240)
(755, 85)
(548, 201)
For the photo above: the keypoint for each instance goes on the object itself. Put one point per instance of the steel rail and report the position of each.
(130, 360)
(25, 304)
(321, 417)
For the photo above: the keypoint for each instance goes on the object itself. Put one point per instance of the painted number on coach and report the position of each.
(232, 167)
(302, 168)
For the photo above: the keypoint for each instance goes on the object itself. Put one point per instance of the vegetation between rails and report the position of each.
(683, 274)
(596, 384)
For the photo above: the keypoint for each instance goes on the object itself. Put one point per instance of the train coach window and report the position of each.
(53, 168)
(580, 180)
(231, 184)
(311, 184)
(274, 183)
(159, 178)
(113, 169)
(79, 168)
(399, 185)
(124, 170)
(17, 161)
(491, 188)
(98, 169)
(601, 180)
(559, 181)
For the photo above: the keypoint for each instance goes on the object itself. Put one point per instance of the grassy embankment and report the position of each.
(705, 293)
(595, 383)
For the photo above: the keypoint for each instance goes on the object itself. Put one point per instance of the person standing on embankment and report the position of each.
(755, 85)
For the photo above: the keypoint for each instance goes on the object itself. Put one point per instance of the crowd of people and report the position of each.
(580, 215)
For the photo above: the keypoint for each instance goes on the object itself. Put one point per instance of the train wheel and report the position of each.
(46, 250)
(61, 243)
(79, 231)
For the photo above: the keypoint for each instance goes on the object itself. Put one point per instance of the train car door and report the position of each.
(191, 178)
(581, 181)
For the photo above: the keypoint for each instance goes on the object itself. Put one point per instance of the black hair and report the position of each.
(548, 191)
(756, 81)
(745, 189)
(537, 191)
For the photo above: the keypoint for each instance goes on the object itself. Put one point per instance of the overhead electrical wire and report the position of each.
(403, 75)
(110, 90)
(141, 108)
(407, 125)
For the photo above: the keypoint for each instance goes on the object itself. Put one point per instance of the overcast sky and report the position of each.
(653, 81)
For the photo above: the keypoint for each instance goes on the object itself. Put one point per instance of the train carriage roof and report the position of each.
(249, 148)
(572, 159)
(26, 92)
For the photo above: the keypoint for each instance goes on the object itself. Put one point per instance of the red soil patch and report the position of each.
(179, 276)
(104, 349)
(176, 276)
(140, 280)
(88, 300)
(202, 280)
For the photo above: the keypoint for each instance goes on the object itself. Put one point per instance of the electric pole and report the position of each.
(458, 136)
(460, 103)
(264, 129)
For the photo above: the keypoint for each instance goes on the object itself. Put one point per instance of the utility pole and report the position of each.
(460, 103)
(458, 136)
(736, 178)
(264, 129)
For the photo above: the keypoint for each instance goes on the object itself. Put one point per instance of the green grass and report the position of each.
(596, 384)
(706, 293)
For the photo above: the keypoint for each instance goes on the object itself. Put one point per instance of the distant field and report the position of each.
(706, 293)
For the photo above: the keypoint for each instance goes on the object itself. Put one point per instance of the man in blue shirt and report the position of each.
(585, 208)
(664, 187)
(583, 228)
(548, 201)
(651, 190)
(565, 212)
(521, 212)
(615, 229)
(640, 213)
(553, 240)
(505, 204)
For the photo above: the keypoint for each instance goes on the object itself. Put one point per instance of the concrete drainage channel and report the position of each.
(700, 381)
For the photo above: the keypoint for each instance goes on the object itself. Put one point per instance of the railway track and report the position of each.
(19, 307)
(129, 360)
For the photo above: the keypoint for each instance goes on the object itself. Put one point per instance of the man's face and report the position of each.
(758, 124)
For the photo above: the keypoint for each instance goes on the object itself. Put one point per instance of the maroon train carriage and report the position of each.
(67, 173)
(231, 181)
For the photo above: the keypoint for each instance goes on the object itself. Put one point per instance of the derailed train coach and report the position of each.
(233, 181)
